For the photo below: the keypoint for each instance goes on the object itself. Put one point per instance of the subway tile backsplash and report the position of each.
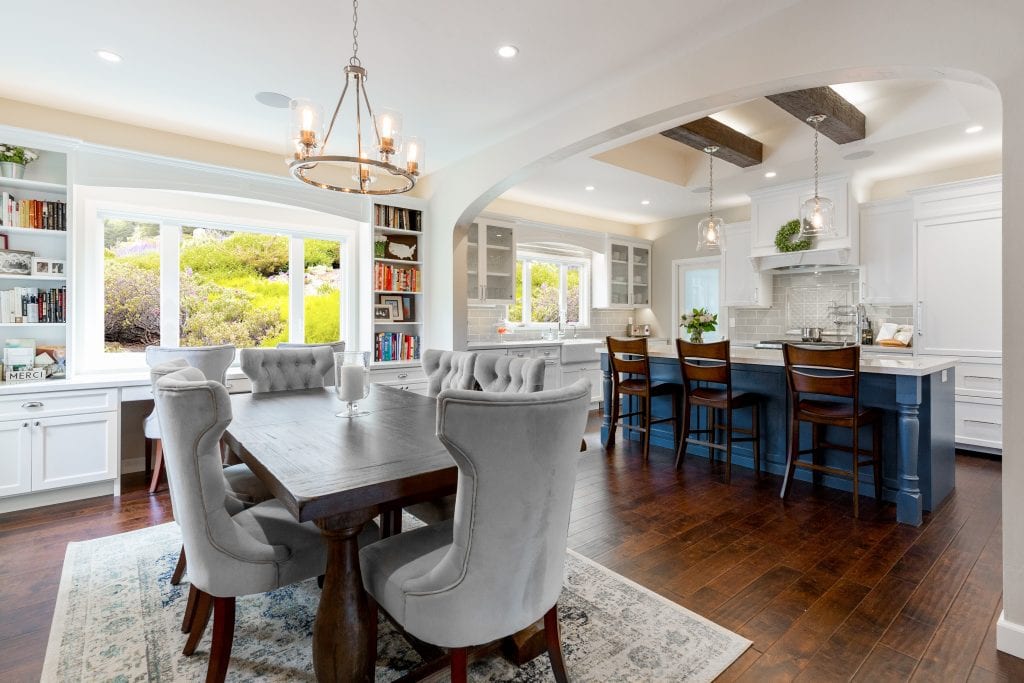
(483, 324)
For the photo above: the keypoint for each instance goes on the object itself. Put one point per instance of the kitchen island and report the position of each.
(915, 394)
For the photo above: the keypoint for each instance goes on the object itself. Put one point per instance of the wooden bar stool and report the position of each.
(834, 373)
(636, 364)
(708, 364)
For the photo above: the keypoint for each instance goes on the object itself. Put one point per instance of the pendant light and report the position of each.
(375, 162)
(816, 213)
(709, 230)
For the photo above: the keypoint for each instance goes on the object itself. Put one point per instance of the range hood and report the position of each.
(803, 260)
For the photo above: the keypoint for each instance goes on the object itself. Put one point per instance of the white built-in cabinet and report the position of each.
(958, 233)
(15, 457)
(773, 207)
(745, 286)
(622, 274)
(491, 263)
(887, 252)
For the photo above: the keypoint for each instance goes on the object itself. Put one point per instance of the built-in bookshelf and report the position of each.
(34, 229)
(397, 283)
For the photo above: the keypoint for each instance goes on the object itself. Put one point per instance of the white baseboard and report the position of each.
(129, 465)
(52, 497)
(1009, 636)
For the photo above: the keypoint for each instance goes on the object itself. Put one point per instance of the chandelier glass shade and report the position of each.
(709, 230)
(376, 160)
(817, 214)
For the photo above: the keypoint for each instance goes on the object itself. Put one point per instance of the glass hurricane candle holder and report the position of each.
(352, 380)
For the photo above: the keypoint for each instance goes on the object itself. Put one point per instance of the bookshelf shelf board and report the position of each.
(32, 324)
(394, 291)
(398, 261)
(497, 247)
(46, 278)
(398, 322)
(490, 274)
(394, 363)
(11, 230)
(395, 231)
(33, 186)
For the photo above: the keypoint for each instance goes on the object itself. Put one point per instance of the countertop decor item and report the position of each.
(14, 159)
(709, 230)
(352, 380)
(816, 214)
(697, 323)
(377, 161)
(784, 241)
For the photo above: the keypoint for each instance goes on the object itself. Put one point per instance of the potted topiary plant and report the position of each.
(13, 160)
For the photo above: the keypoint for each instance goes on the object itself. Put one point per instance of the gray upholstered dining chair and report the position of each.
(286, 369)
(335, 347)
(498, 566)
(447, 370)
(255, 550)
(508, 373)
(213, 361)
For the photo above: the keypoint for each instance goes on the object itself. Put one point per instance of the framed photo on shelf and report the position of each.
(394, 303)
(408, 308)
(381, 314)
(14, 262)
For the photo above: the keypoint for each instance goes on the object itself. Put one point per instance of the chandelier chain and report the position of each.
(711, 184)
(816, 124)
(354, 60)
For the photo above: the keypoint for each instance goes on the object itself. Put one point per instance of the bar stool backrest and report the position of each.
(831, 372)
(619, 355)
(704, 363)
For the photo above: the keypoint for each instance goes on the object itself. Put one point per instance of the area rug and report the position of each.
(118, 618)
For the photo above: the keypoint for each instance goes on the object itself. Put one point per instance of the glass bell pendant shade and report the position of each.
(816, 217)
(709, 234)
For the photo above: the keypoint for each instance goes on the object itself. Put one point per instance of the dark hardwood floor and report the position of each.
(822, 596)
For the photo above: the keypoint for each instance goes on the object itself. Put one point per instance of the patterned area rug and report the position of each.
(118, 619)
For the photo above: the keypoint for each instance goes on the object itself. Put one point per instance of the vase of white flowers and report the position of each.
(14, 159)
(697, 323)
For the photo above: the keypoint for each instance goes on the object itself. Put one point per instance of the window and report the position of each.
(169, 283)
(697, 283)
(550, 291)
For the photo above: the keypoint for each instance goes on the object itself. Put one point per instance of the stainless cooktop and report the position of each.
(824, 344)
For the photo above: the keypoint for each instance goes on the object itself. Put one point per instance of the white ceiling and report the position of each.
(912, 127)
(193, 66)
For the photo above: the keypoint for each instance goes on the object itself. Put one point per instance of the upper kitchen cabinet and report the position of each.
(745, 286)
(773, 207)
(622, 275)
(887, 252)
(491, 263)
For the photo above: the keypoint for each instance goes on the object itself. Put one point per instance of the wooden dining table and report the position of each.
(340, 473)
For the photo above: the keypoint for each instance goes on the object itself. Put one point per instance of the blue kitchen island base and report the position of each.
(915, 396)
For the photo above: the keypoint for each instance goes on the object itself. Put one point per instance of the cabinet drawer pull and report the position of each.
(38, 423)
(403, 375)
(25, 425)
(32, 404)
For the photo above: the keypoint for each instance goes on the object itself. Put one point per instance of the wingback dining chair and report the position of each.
(447, 370)
(286, 369)
(497, 567)
(213, 361)
(256, 550)
(508, 373)
(335, 347)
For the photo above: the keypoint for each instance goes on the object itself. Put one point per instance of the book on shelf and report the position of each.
(32, 213)
(394, 278)
(392, 346)
(24, 361)
(21, 305)
(396, 218)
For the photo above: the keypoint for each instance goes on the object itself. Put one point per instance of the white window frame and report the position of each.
(565, 262)
(88, 291)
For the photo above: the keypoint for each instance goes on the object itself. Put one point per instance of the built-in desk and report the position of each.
(915, 394)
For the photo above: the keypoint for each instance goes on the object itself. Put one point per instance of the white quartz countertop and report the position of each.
(473, 346)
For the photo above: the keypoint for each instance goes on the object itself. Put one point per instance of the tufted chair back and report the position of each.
(509, 374)
(213, 361)
(286, 369)
(448, 370)
(335, 347)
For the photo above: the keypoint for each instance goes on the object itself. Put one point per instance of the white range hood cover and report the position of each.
(802, 259)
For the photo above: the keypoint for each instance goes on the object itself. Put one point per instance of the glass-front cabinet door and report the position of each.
(473, 264)
(491, 263)
(640, 280)
(618, 270)
(629, 274)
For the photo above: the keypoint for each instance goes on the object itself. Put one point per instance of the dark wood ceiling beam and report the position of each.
(845, 123)
(733, 146)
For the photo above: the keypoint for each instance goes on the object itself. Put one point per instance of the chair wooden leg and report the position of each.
(709, 413)
(677, 422)
(371, 630)
(728, 445)
(203, 608)
(158, 465)
(856, 470)
(459, 664)
(149, 457)
(614, 421)
(681, 451)
(791, 455)
(816, 452)
(554, 645)
(223, 637)
(190, 609)
(755, 425)
(179, 569)
(876, 456)
(646, 417)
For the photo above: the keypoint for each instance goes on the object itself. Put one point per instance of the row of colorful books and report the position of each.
(396, 346)
(396, 278)
(30, 305)
(397, 218)
(32, 213)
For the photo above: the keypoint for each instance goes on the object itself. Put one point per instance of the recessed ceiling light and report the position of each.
(770, 174)
(589, 188)
(273, 99)
(860, 154)
(108, 56)
(971, 130)
(645, 202)
(508, 51)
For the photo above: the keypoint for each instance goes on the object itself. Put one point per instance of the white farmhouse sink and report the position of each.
(580, 350)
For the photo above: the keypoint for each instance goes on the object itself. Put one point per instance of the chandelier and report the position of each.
(377, 161)
(816, 213)
(709, 230)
